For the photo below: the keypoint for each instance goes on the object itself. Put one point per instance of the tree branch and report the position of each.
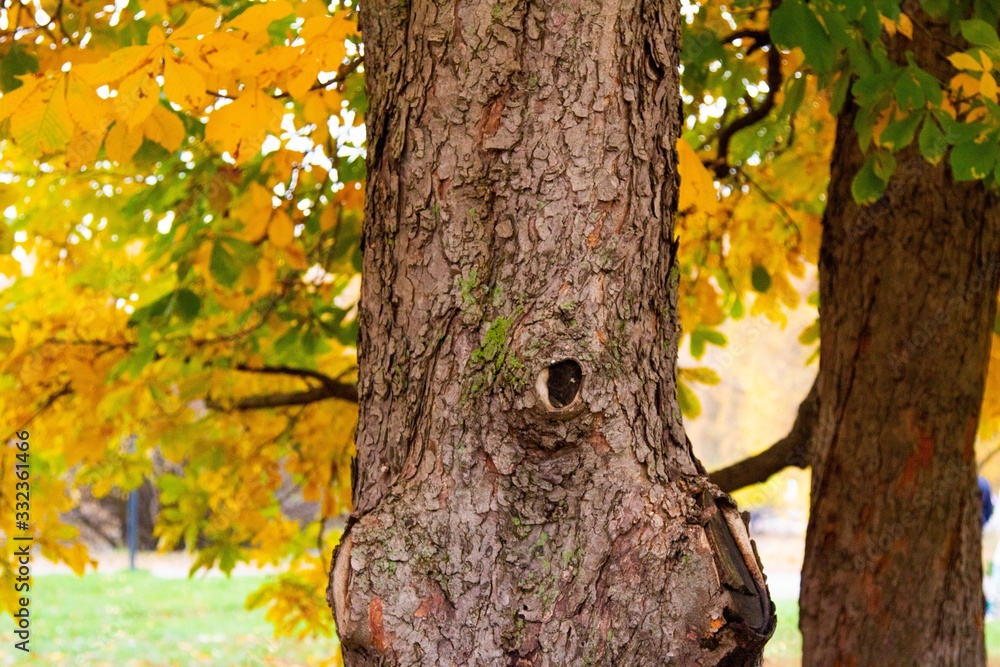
(344, 392)
(322, 378)
(329, 388)
(755, 115)
(795, 449)
(761, 38)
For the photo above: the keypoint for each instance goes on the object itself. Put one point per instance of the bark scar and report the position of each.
(341, 581)
(376, 626)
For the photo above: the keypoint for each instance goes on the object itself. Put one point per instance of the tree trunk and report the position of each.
(908, 288)
(525, 493)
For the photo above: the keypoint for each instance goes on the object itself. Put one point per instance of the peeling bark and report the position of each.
(525, 493)
(892, 572)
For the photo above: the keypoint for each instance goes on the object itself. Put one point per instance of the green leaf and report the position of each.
(861, 59)
(310, 339)
(810, 334)
(867, 186)
(278, 30)
(888, 8)
(701, 374)
(703, 335)
(795, 92)
(760, 279)
(687, 400)
(936, 8)
(909, 94)
(188, 304)
(737, 310)
(979, 33)
(14, 63)
(287, 341)
(793, 24)
(873, 89)
(835, 22)
(971, 161)
(885, 164)
(932, 142)
(871, 24)
(899, 133)
(351, 170)
(347, 334)
(223, 266)
(929, 85)
(156, 309)
(838, 95)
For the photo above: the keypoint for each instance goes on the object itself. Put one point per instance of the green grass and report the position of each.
(787, 642)
(133, 618)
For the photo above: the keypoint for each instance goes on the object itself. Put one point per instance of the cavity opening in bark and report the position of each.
(559, 384)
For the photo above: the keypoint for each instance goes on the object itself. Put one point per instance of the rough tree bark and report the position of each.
(908, 286)
(525, 493)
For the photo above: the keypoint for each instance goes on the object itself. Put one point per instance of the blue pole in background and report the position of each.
(132, 516)
(132, 526)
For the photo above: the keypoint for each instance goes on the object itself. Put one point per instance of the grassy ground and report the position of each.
(135, 619)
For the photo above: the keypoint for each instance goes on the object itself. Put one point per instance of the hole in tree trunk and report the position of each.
(564, 382)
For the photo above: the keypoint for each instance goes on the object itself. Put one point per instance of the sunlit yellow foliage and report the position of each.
(181, 198)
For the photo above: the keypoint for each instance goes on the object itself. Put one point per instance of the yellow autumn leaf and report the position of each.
(138, 93)
(42, 121)
(263, 278)
(184, 85)
(328, 218)
(155, 36)
(201, 22)
(86, 108)
(240, 127)
(165, 128)
(335, 28)
(118, 64)
(83, 148)
(224, 51)
(985, 60)
(315, 110)
(295, 256)
(326, 38)
(351, 196)
(15, 99)
(255, 20)
(154, 7)
(965, 61)
(122, 142)
(277, 62)
(905, 26)
(988, 86)
(888, 24)
(964, 84)
(253, 209)
(697, 187)
(281, 229)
